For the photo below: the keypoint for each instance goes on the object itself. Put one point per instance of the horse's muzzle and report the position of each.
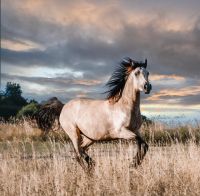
(147, 88)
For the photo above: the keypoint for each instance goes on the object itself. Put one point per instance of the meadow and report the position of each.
(34, 165)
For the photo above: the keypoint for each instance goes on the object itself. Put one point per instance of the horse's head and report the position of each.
(138, 74)
(141, 76)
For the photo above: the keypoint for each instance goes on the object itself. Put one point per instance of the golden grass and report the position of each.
(18, 130)
(23, 129)
(160, 134)
(36, 167)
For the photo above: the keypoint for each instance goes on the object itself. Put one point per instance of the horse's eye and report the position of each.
(137, 73)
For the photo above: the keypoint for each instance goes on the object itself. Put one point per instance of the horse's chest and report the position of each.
(122, 119)
(119, 118)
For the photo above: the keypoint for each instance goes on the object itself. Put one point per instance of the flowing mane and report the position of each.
(119, 77)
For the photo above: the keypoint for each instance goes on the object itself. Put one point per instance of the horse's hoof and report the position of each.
(136, 162)
(133, 165)
(91, 165)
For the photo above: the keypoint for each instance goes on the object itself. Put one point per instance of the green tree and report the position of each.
(11, 100)
(13, 94)
(13, 89)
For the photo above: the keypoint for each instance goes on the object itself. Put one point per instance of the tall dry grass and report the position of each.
(155, 133)
(25, 170)
(36, 167)
(19, 130)
(165, 134)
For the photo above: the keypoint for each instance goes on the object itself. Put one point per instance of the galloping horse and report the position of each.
(118, 116)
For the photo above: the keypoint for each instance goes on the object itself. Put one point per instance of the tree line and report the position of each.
(13, 104)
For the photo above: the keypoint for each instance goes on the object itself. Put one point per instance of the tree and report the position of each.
(11, 100)
(13, 94)
(13, 90)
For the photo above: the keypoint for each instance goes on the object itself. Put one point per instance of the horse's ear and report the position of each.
(128, 62)
(135, 64)
(131, 62)
(130, 65)
(145, 64)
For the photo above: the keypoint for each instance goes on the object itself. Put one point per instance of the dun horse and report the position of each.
(87, 120)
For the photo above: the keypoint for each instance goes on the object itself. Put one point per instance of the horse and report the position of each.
(117, 116)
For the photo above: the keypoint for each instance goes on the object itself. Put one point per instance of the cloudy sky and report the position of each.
(69, 49)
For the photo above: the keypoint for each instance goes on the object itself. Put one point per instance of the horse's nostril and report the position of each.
(150, 86)
(147, 87)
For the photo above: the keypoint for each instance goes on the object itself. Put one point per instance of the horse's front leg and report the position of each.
(142, 146)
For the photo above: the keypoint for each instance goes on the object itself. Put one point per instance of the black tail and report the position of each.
(48, 113)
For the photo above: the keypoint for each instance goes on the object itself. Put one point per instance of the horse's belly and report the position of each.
(93, 129)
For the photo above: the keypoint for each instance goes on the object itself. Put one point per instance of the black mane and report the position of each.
(119, 77)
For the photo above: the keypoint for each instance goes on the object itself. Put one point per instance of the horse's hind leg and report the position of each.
(79, 153)
(74, 134)
(86, 142)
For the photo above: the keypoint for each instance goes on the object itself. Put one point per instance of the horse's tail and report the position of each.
(48, 113)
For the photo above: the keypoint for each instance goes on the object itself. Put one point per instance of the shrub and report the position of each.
(28, 110)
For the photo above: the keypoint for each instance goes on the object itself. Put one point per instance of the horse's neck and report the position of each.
(130, 98)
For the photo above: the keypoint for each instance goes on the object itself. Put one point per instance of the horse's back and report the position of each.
(78, 108)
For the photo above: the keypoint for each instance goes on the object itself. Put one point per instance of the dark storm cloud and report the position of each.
(18, 25)
(168, 52)
(58, 82)
(189, 100)
(182, 92)
(65, 89)
(175, 100)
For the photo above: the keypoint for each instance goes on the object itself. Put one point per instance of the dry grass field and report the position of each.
(32, 166)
